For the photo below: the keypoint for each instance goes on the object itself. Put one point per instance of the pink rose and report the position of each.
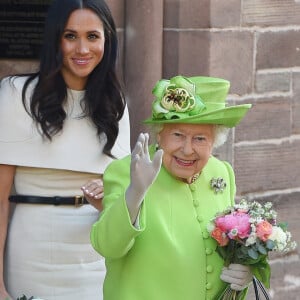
(237, 222)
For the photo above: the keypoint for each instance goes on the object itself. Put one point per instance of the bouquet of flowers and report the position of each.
(246, 233)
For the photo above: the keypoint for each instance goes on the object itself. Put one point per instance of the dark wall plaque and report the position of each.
(21, 27)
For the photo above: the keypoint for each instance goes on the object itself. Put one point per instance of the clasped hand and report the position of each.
(143, 172)
(93, 192)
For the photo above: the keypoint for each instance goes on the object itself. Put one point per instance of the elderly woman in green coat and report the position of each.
(158, 201)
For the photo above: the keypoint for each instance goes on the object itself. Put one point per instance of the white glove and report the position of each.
(239, 276)
(143, 172)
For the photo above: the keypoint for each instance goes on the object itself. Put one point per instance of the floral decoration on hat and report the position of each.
(176, 98)
(194, 100)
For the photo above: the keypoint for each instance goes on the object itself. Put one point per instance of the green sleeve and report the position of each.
(113, 234)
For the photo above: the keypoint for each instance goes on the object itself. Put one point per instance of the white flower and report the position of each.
(251, 239)
(210, 226)
(242, 205)
(279, 237)
(268, 205)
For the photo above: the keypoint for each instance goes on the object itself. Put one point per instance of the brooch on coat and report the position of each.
(218, 184)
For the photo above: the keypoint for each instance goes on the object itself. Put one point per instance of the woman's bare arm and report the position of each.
(7, 174)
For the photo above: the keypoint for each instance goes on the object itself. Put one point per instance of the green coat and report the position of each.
(170, 256)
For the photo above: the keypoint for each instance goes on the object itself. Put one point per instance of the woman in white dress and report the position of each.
(59, 129)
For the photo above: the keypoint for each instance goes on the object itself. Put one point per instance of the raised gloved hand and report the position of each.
(239, 276)
(143, 172)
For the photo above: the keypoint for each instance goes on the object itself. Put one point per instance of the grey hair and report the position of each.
(220, 133)
(154, 130)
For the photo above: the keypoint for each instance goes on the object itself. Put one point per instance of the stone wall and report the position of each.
(256, 45)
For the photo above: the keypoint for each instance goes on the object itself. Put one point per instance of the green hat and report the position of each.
(194, 100)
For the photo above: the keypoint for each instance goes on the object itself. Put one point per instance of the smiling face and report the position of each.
(82, 46)
(187, 148)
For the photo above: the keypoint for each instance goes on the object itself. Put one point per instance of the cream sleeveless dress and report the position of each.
(48, 252)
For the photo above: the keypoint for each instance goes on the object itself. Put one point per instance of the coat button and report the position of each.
(205, 235)
(208, 286)
(208, 251)
(196, 203)
(192, 187)
(209, 268)
(199, 218)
